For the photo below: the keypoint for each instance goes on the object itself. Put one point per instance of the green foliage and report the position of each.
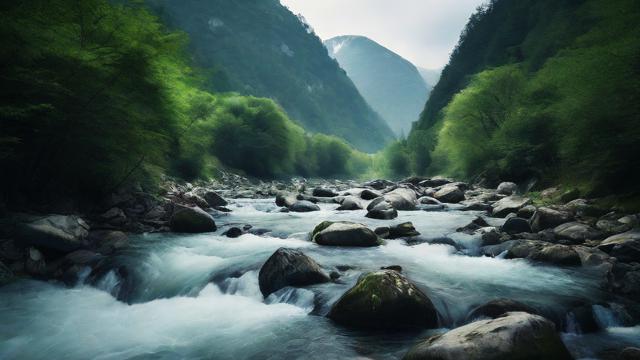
(567, 108)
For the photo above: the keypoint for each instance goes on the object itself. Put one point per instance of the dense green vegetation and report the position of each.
(391, 85)
(260, 48)
(97, 94)
(545, 90)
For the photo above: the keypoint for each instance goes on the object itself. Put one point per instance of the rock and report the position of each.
(569, 195)
(503, 207)
(378, 184)
(630, 353)
(107, 241)
(584, 319)
(497, 308)
(6, 275)
(396, 268)
(561, 255)
(382, 232)
(285, 200)
(384, 300)
(9, 251)
(526, 212)
(402, 199)
(584, 208)
(367, 194)
(192, 220)
(434, 182)
(625, 247)
(344, 234)
(576, 232)
(334, 275)
(517, 335)
(612, 227)
(324, 192)
(402, 230)
(475, 206)
(382, 210)
(35, 264)
(428, 200)
(516, 225)
(197, 200)
(56, 232)
(114, 216)
(304, 206)
(632, 220)
(473, 226)
(350, 203)
(546, 218)
(449, 194)
(233, 232)
(507, 188)
(289, 267)
(214, 200)
(491, 237)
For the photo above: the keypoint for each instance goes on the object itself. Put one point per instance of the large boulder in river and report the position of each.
(350, 203)
(576, 232)
(402, 230)
(384, 300)
(304, 206)
(63, 233)
(517, 335)
(289, 267)
(449, 194)
(510, 204)
(402, 199)
(516, 225)
(214, 200)
(324, 192)
(498, 307)
(625, 247)
(192, 220)
(285, 200)
(507, 188)
(368, 194)
(344, 234)
(546, 218)
(381, 209)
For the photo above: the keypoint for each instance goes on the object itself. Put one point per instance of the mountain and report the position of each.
(260, 48)
(391, 85)
(538, 91)
(430, 76)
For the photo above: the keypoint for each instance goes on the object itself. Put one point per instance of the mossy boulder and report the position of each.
(384, 300)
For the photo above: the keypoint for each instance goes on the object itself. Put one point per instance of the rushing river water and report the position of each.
(197, 296)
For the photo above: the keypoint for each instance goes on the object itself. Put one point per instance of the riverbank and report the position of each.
(464, 247)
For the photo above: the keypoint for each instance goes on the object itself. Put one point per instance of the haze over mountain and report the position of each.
(391, 84)
(260, 48)
(430, 76)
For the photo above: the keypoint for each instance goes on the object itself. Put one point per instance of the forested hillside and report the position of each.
(260, 48)
(97, 94)
(540, 90)
(390, 84)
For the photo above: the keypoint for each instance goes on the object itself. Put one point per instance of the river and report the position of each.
(197, 296)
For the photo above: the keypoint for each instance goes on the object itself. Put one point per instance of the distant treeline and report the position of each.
(536, 89)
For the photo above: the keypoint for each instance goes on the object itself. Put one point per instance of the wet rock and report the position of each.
(367, 194)
(625, 247)
(510, 204)
(402, 230)
(396, 268)
(491, 237)
(449, 194)
(569, 195)
(382, 210)
(561, 255)
(526, 212)
(475, 206)
(630, 353)
(516, 225)
(382, 232)
(214, 200)
(576, 232)
(384, 300)
(233, 232)
(304, 206)
(434, 182)
(107, 241)
(517, 335)
(35, 264)
(583, 319)
(612, 227)
(497, 308)
(428, 200)
(507, 188)
(350, 203)
(285, 200)
(584, 208)
(324, 192)
(378, 184)
(402, 199)
(289, 267)
(334, 275)
(63, 233)
(546, 218)
(473, 226)
(114, 216)
(192, 220)
(344, 234)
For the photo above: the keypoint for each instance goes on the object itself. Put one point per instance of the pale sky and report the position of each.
(422, 31)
